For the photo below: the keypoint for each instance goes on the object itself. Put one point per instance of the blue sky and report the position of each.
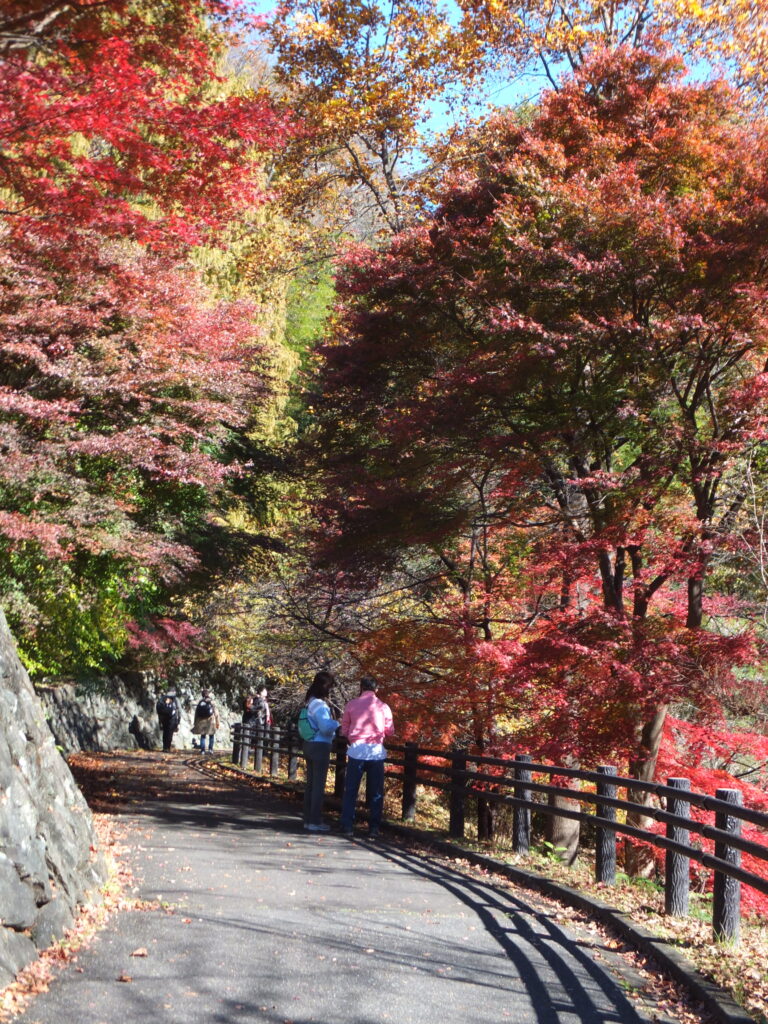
(496, 92)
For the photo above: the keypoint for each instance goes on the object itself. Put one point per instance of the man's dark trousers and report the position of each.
(169, 728)
(374, 771)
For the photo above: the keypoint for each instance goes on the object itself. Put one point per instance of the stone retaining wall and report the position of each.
(47, 860)
(119, 714)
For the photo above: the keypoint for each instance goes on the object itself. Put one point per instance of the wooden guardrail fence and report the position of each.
(516, 782)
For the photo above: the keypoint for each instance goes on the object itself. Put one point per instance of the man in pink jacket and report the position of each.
(365, 722)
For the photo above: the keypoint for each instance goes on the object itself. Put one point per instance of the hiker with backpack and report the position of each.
(317, 728)
(169, 715)
(206, 721)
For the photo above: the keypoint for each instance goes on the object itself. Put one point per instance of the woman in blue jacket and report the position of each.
(317, 751)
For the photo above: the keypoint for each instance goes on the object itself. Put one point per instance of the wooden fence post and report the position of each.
(410, 775)
(340, 766)
(521, 819)
(605, 838)
(246, 745)
(677, 867)
(726, 904)
(258, 757)
(294, 743)
(237, 729)
(274, 760)
(458, 793)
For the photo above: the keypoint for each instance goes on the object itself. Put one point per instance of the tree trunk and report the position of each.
(695, 602)
(485, 822)
(639, 860)
(564, 833)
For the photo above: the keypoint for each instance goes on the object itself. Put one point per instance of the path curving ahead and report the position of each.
(263, 922)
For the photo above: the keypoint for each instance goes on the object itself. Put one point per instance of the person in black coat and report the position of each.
(169, 716)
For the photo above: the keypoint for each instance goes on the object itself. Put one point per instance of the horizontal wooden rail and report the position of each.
(700, 800)
(651, 838)
(656, 813)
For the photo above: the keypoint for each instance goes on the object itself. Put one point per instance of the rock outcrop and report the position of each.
(119, 713)
(113, 717)
(47, 859)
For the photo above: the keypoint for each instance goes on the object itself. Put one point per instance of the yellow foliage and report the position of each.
(730, 35)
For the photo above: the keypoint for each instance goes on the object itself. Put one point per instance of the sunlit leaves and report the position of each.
(727, 35)
(362, 78)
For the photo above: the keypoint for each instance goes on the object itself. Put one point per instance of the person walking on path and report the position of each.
(257, 719)
(206, 721)
(366, 721)
(169, 716)
(317, 751)
(264, 710)
(251, 711)
(257, 713)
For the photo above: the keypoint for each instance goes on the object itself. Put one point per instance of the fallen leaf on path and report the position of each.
(124, 977)
(139, 952)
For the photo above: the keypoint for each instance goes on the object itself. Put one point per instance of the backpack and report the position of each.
(166, 709)
(304, 724)
(204, 709)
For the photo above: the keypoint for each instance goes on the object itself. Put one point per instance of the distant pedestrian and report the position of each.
(317, 749)
(260, 713)
(256, 713)
(251, 711)
(206, 721)
(261, 693)
(169, 715)
(366, 721)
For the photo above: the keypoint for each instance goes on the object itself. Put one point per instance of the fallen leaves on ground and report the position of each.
(37, 976)
(739, 970)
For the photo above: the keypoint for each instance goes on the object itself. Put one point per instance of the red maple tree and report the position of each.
(114, 117)
(123, 375)
(542, 397)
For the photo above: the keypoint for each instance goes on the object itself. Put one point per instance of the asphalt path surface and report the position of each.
(256, 920)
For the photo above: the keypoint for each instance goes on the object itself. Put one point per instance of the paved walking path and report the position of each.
(263, 922)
